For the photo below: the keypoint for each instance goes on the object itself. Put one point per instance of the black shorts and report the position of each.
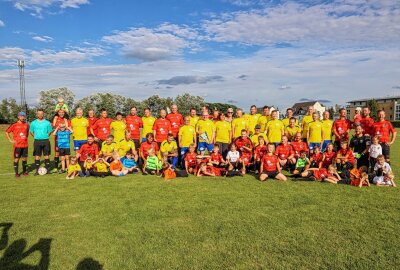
(137, 144)
(300, 170)
(20, 152)
(64, 152)
(41, 147)
(386, 150)
(271, 174)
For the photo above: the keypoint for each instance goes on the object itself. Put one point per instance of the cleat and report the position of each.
(25, 174)
(17, 175)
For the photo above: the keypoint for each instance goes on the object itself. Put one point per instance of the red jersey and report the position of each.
(162, 128)
(329, 157)
(260, 151)
(20, 133)
(216, 157)
(116, 165)
(299, 146)
(347, 153)
(270, 163)
(134, 123)
(317, 158)
(321, 174)
(61, 120)
(240, 143)
(284, 151)
(88, 149)
(91, 121)
(383, 130)
(176, 120)
(368, 125)
(357, 119)
(191, 159)
(145, 146)
(342, 127)
(102, 128)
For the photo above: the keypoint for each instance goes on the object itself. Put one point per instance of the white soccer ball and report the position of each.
(42, 171)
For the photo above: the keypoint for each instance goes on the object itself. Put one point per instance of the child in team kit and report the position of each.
(216, 158)
(270, 166)
(329, 175)
(383, 173)
(100, 168)
(329, 156)
(63, 134)
(129, 163)
(345, 159)
(234, 161)
(302, 163)
(191, 159)
(108, 147)
(88, 165)
(259, 152)
(152, 164)
(61, 105)
(116, 167)
(359, 177)
(74, 169)
(316, 158)
(375, 149)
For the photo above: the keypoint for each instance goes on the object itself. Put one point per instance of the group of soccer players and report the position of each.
(205, 142)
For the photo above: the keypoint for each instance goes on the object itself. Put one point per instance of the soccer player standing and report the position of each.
(41, 129)
(206, 131)
(161, 127)
(79, 125)
(327, 129)
(101, 127)
(20, 132)
(148, 122)
(176, 120)
(252, 119)
(134, 123)
(383, 129)
(341, 128)
(307, 119)
(274, 129)
(315, 133)
(238, 124)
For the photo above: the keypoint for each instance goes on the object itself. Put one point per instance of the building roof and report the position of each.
(380, 98)
(300, 105)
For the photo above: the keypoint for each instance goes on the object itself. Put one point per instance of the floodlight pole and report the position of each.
(21, 66)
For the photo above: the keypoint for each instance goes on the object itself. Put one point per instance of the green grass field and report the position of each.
(143, 222)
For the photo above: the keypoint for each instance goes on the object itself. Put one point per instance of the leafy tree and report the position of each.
(9, 110)
(186, 101)
(48, 99)
(156, 103)
(331, 111)
(222, 107)
(111, 102)
(373, 106)
(129, 103)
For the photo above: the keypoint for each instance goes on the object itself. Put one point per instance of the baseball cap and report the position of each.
(257, 126)
(21, 114)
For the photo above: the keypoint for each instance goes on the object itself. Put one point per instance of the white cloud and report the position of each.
(153, 44)
(2, 24)
(9, 55)
(348, 22)
(36, 7)
(43, 38)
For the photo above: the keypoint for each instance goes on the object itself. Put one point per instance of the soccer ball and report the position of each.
(42, 171)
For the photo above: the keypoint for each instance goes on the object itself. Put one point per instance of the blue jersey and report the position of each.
(63, 139)
(128, 163)
(40, 129)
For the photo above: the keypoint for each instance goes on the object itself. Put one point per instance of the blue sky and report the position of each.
(242, 51)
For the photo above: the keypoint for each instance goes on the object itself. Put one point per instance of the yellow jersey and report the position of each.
(148, 123)
(252, 120)
(254, 139)
(274, 131)
(291, 132)
(315, 130)
(327, 128)
(108, 148)
(286, 122)
(124, 146)
(74, 168)
(79, 126)
(100, 167)
(238, 124)
(167, 147)
(119, 128)
(304, 124)
(193, 121)
(206, 130)
(222, 132)
(187, 134)
(262, 121)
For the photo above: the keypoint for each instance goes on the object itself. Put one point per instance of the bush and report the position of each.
(396, 124)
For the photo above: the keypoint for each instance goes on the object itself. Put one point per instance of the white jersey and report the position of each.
(375, 150)
(233, 156)
(386, 169)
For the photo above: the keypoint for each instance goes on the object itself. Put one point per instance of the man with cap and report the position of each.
(258, 133)
(20, 132)
(41, 129)
(357, 116)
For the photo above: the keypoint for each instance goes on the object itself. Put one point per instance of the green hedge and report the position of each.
(396, 124)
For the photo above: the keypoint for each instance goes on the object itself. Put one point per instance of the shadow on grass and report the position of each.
(15, 253)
